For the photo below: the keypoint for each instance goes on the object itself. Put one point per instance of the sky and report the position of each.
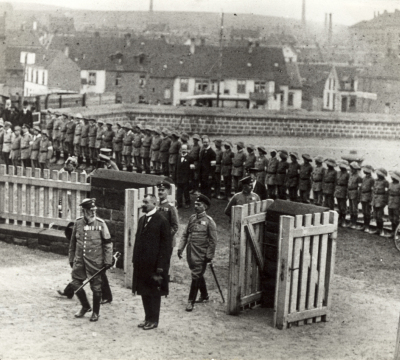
(346, 12)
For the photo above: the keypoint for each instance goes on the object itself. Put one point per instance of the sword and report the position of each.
(216, 281)
(116, 256)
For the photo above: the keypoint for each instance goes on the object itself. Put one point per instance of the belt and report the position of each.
(316, 181)
(145, 146)
(25, 148)
(84, 137)
(271, 173)
(174, 153)
(43, 151)
(366, 192)
(352, 188)
(305, 178)
(7, 142)
(237, 166)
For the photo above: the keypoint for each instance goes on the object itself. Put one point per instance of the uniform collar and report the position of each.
(87, 223)
(201, 215)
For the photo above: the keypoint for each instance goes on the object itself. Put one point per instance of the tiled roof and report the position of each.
(43, 57)
(385, 69)
(22, 38)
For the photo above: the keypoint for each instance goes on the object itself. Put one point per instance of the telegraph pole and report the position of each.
(221, 34)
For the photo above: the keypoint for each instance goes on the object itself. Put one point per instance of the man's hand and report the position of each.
(71, 264)
(159, 271)
(208, 260)
(180, 254)
(108, 266)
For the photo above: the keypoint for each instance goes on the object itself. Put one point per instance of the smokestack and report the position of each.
(151, 5)
(326, 23)
(303, 14)
(330, 30)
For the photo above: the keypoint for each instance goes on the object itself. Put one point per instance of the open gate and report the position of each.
(305, 255)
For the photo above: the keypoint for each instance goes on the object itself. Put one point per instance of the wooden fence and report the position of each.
(133, 212)
(40, 198)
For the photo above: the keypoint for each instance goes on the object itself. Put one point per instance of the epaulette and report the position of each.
(210, 218)
(101, 220)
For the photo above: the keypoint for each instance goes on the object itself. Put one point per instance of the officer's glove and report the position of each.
(180, 254)
(159, 271)
(107, 266)
(208, 260)
(71, 264)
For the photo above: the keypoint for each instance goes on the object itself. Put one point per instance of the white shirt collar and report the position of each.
(152, 212)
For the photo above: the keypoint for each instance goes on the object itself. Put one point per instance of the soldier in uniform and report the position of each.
(99, 141)
(90, 250)
(261, 164)
(1, 136)
(118, 144)
(69, 138)
(84, 144)
(185, 139)
(194, 154)
(92, 135)
(50, 118)
(45, 151)
(206, 167)
(127, 148)
(77, 137)
(15, 154)
(26, 139)
(145, 149)
(35, 147)
(107, 163)
(155, 151)
(174, 150)
(226, 168)
(329, 184)
(137, 144)
(200, 238)
(63, 136)
(246, 196)
(353, 190)
(217, 173)
(108, 136)
(317, 177)
(394, 201)
(380, 200)
(272, 169)
(58, 122)
(367, 187)
(281, 174)
(8, 140)
(293, 176)
(250, 159)
(306, 170)
(238, 162)
(164, 151)
(342, 183)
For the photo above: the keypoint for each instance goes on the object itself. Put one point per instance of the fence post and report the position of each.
(130, 228)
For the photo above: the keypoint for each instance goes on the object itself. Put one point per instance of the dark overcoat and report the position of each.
(152, 251)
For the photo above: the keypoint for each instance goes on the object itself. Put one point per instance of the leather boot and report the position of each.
(68, 291)
(366, 228)
(194, 288)
(203, 291)
(81, 295)
(96, 307)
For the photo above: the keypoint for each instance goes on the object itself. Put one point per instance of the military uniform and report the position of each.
(26, 149)
(226, 171)
(99, 143)
(270, 180)
(69, 137)
(77, 142)
(367, 187)
(261, 165)
(328, 187)
(164, 155)
(45, 152)
(238, 162)
(168, 210)
(173, 157)
(250, 161)
(117, 146)
(241, 199)
(353, 190)
(15, 154)
(292, 181)
(137, 144)
(317, 178)
(155, 153)
(84, 144)
(145, 153)
(341, 194)
(63, 145)
(92, 135)
(306, 170)
(394, 204)
(108, 136)
(57, 137)
(35, 149)
(217, 172)
(49, 126)
(281, 173)
(380, 200)
(127, 150)
(8, 140)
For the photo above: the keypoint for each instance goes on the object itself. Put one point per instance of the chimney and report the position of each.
(151, 5)
(66, 51)
(330, 30)
(128, 38)
(326, 22)
(34, 25)
(303, 14)
(192, 46)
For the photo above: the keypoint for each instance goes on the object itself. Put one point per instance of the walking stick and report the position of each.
(116, 256)
(216, 281)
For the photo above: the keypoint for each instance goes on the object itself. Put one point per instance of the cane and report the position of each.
(216, 280)
(116, 256)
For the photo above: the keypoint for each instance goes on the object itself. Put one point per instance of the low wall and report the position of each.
(224, 122)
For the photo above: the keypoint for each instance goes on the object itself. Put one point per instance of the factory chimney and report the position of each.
(330, 30)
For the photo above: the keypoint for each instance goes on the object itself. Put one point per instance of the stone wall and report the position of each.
(225, 122)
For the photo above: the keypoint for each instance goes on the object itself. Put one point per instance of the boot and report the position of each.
(382, 233)
(81, 295)
(194, 288)
(68, 291)
(374, 232)
(96, 307)
(366, 228)
(203, 291)
(344, 222)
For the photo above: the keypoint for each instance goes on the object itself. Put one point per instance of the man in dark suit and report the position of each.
(25, 116)
(207, 165)
(183, 176)
(258, 187)
(151, 259)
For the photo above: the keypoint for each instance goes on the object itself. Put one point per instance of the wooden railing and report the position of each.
(39, 198)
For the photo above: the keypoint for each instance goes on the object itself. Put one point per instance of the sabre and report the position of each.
(116, 256)
(216, 281)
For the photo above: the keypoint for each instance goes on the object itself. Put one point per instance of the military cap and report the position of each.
(246, 180)
(37, 128)
(109, 123)
(240, 144)
(78, 116)
(45, 111)
(148, 127)
(105, 151)
(395, 175)
(26, 126)
(88, 204)
(295, 154)
(104, 157)
(185, 136)
(72, 160)
(251, 146)
(119, 124)
(45, 132)
(203, 199)
(368, 169)
(165, 131)
(330, 162)
(319, 159)
(127, 126)
(354, 165)
(100, 121)
(353, 157)
(343, 164)
(381, 172)
(175, 133)
(284, 153)
(261, 149)
(157, 130)
(274, 150)
(164, 184)
(196, 137)
(138, 126)
(228, 143)
(307, 157)
(217, 142)
(91, 119)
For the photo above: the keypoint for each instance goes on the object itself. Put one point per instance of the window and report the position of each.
(167, 93)
(44, 78)
(201, 85)
(30, 75)
(142, 80)
(214, 85)
(184, 85)
(226, 92)
(241, 86)
(259, 87)
(290, 99)
(327, 100)
(334, 101)
(118, 79)
(37, 77)
(92, 78)
(330, 84)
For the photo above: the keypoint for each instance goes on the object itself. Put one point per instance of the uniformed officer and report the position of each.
(15, 154)
(118, 144)
(84, 144)
(226, 168)
(200, 238)
(107, 163)
(174, 150)
(63, 136)
(56, 136)
(367, 188)
(1, 137)
(137, 144)
(353, 190)
(250, 159)
(194, 155)
(261, 165)
(246, 196)
(342, 183)
(92, 135)
(272, 169)
(108, 136)
(127, 146)
(238, 162)
(317, 177)
(50, 118)
(155, 151)
(26, 139)
(217, 172)
(206, 167)
(69, 138)
(281, 173)
(35, 147)
(293, 176)
(380, 200)
(77, 137)
(394, 201)
(46, 151)
(90, 250)
(8, 140)
(306, 170)
(99, 141)
(164, 151)
(145, 149)
(329, 184)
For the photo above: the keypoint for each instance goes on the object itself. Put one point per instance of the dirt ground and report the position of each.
(36, 323)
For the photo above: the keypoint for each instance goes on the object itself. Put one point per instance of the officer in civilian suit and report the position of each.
(90, 250)
(306, 170)
(26, 138)
(226, 168)
(281, 174)
(183, 173)
(329, 184)
(367, 187)
(164, 152)
(137, 144)
(341, 191)
(145, 149)
(238, 165)
(108, 136)
(25, 115)
(270, 180)
(317, 177)
(206, 167)
(174, 150)
(151, 259)
(200, 240)
(69, 138)
(118, 144)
